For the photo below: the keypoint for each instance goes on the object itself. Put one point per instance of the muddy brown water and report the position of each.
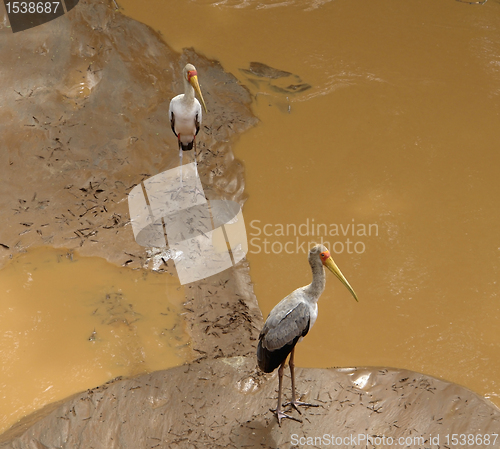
(397, 137)
(100, 322)
(381, 139)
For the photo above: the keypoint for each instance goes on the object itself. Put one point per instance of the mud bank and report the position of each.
(225, 403)
(84, 119)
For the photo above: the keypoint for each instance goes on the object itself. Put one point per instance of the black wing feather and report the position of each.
(294, 325)
(172, 124)
(197, 124)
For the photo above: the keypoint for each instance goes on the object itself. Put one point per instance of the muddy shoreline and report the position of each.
(223, 402)
(91, 110)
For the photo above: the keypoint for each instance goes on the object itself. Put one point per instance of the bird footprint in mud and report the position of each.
(266, 80)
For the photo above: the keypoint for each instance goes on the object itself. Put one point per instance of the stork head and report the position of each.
(327, 261)
(191, 75)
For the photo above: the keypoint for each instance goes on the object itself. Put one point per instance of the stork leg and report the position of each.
(180, 157)
(196, 190)
(294, 403)
(177, 192)
(279, 414)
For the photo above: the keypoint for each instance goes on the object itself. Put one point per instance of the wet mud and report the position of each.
(84, 120)
(91, 107)
(224, 403)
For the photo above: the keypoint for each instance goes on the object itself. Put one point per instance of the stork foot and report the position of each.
(295, 405)
(281, 415)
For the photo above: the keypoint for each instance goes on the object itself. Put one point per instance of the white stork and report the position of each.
(185, 111)
(290, 321)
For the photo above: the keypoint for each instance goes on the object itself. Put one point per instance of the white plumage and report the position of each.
(185, 113)
(185, 118)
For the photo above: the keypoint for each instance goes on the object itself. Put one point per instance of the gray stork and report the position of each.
(290, 321)
(185, 111)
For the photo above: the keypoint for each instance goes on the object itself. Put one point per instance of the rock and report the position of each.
(273, 85)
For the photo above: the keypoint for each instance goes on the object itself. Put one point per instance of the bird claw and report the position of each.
(280, 415)
(295, 405)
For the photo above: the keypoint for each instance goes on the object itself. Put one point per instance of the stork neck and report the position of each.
(316, 287)
(188, 91)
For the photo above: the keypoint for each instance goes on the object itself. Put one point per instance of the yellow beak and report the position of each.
(330, 264)
(194, 82)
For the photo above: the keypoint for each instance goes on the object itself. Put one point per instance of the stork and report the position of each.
(185, 112)
(290, 321)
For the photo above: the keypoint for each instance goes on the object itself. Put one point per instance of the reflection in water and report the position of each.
(70, 323)
(399, 130)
